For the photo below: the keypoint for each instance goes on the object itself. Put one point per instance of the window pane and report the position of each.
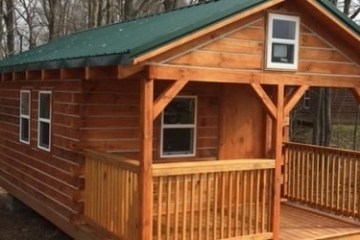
(178, 141)
(45, 105)
(284, 29)
(44, 133)
(282, 53)
(25, 98)
(24, 129)
(180, 111)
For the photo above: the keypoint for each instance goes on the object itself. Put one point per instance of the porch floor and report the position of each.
(299, 224)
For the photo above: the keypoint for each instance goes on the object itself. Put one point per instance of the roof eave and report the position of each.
(92, 61)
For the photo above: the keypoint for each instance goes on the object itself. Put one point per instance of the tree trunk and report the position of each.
(10, 26)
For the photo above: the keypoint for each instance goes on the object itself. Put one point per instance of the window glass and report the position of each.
(44, 135)
(24, 130)
(45, 105)
(180, 111)
(284, 29)
(178, 141)
(282, 53)
(25, 100)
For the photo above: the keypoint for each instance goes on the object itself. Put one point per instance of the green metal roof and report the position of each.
(340, 15)
(119, 43)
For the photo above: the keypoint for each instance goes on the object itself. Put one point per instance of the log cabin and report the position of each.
(173, 126)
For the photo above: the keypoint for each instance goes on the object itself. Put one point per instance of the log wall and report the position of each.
(111, 117)
(52, 178)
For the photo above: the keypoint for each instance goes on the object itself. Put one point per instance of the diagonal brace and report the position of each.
(270, 106)
(167, 96)
(295, 99)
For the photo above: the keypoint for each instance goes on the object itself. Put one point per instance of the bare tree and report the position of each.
(9, 18)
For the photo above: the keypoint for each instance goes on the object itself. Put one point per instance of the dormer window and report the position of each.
(282, 42)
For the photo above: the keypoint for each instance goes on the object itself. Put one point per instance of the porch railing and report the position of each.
(324, 178)
(191, 200)
(213, 199)
(111, 193)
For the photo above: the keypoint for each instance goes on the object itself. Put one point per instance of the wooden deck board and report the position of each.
(299, 224)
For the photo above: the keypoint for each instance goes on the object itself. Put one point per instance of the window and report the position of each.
(25, 106)
(178, 128)
(282, 42)
(307, 98)
(44, 124)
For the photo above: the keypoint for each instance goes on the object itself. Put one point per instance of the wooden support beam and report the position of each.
(145, 175)
(219, 75)
(128, 70)
(295, 99)
(167, 96)
(264, 97)
(356, 92)
(278, 161)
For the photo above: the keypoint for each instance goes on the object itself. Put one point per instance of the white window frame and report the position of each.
(179, 126)
(271, 40)
(24, 116)
(45, 120)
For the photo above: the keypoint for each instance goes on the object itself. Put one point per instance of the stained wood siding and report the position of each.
(244, 48)
(50, 177)
(242, 129)
(111, 117)
(240, 49)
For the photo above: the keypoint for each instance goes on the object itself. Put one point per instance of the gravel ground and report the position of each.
(26, 225)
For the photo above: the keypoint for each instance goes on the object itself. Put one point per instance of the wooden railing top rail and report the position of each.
(115, 160)
(327, 149)
(182, 168)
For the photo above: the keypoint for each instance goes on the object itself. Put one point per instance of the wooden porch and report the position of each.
(230, 199)
(300, 223)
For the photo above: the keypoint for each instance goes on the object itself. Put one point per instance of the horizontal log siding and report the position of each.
(323, 178)
(240, 49)
(51, 178)
(111, 117)
(245, 49)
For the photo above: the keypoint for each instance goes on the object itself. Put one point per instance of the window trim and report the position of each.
(45, 120)
(28, 117)
(270, 40)
(176, 126)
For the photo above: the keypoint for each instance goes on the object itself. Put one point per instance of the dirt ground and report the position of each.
(26, 225)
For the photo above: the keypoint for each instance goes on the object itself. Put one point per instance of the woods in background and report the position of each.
(25, 24)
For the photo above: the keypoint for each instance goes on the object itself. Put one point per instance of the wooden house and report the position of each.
(171, 126)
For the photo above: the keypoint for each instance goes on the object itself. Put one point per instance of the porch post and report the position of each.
(145, 176)
(278, 161)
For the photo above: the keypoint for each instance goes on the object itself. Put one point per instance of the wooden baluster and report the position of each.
(208, 205)
(160, 204)
(176, 202)
(200, 197)
(230, 184)
(216, 200)
(184, 224)
(257, 202)
(237, 203)
(192, 209)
